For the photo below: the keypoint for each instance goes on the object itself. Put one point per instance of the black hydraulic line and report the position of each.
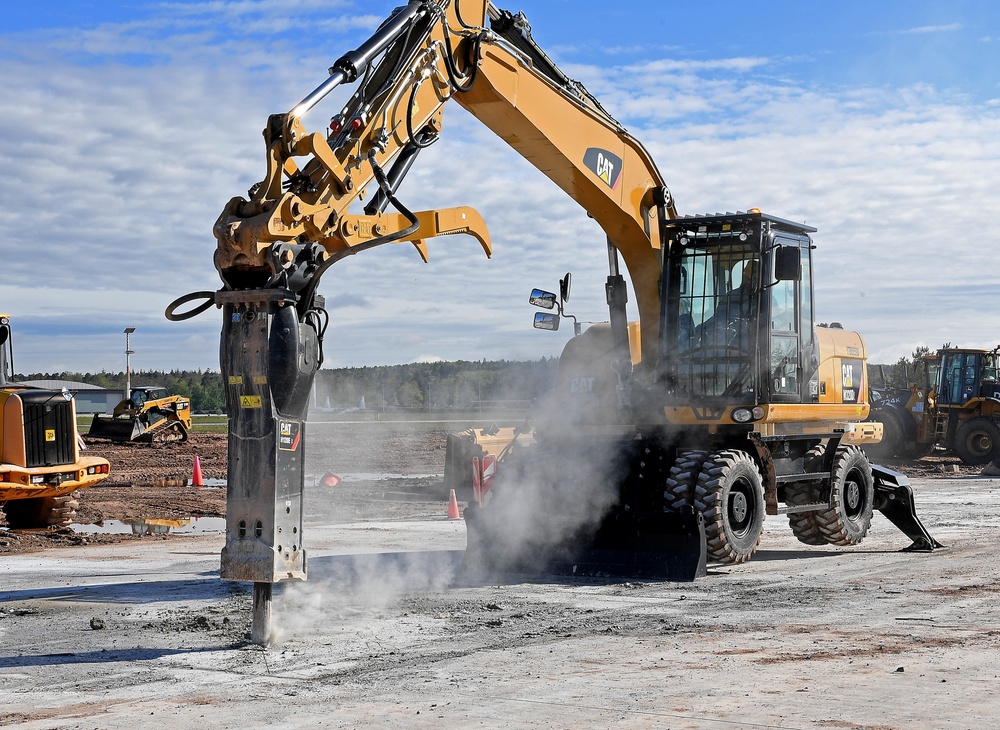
(171, 311)
(404, 161)
(421, 140)
(472, 61)
(309, 291)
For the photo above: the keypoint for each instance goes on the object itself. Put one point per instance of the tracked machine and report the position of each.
(41, 468)
(706, 429)
(147, 415)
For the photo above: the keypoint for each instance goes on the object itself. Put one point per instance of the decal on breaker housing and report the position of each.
(250, 401)
(288, 435)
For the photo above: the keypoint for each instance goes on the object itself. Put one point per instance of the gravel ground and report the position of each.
(388, 632)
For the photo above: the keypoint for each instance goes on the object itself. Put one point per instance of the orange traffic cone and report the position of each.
(196, 480)
(453, 513)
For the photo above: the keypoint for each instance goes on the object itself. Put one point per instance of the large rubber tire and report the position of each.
(730, 496)
(893, 443)
(39, 512)
(803, 524)
(978, 441)
(680, 484)
(852, 494)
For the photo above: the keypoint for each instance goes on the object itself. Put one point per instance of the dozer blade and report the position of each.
(665, 547)
(894, 499)
(115, 429)
(661, 547)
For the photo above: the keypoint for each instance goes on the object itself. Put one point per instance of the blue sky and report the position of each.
(126, 126)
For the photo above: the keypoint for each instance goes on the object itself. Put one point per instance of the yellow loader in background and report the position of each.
(41, 467)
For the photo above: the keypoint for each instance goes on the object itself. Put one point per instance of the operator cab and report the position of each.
(140, 396)
(737, 310)
(967, 374)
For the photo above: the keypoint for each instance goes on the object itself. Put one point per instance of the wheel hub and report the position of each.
(852, 493)
(740, 507)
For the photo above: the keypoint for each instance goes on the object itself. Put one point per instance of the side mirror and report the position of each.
(564, 285)
(545, 321)
(787, 264)
(4, 333)
(543, 299)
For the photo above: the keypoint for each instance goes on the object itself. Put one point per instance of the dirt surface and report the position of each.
(152, 481)
(388, 633)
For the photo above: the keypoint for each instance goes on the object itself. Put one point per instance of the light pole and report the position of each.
(128, 363)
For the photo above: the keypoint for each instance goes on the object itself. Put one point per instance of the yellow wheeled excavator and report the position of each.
(41, 468)
(735, 405)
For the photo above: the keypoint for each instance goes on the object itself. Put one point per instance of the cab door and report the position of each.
(789, 321)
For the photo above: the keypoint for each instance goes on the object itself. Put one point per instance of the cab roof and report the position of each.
(742, 217)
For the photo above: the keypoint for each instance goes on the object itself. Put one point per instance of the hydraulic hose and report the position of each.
(309, 291)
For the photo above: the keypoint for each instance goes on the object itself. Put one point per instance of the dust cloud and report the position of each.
(549, 501)
(342, 587)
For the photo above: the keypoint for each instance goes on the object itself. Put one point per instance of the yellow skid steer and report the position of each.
(148, 415)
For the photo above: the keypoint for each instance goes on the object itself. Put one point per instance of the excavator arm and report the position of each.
(428, 53)
(275, 245)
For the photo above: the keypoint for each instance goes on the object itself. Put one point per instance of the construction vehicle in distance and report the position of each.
(953, 403)
(719, 422)
(41, 468)
(146, 415)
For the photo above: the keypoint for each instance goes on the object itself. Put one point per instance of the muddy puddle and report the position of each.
(183, 526)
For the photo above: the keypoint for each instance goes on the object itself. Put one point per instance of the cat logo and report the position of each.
(605, 165)
(288, 435)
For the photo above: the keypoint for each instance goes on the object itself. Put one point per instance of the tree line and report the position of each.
(460, 384)
(445, 385)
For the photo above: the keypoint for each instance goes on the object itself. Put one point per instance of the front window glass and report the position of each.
(717, 308)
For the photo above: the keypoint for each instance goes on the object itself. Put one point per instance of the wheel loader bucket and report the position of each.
(115, 429)
(894, 499)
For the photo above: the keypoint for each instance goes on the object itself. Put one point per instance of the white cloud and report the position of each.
(925, 29)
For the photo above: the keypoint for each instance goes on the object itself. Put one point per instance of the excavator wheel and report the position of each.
(38, 512)
(730, 497)
(978, 441)
(803, 524)
(680, 484)
(852, 488)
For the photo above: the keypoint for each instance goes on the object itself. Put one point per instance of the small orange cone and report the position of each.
(453, 513)
(196, 480)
